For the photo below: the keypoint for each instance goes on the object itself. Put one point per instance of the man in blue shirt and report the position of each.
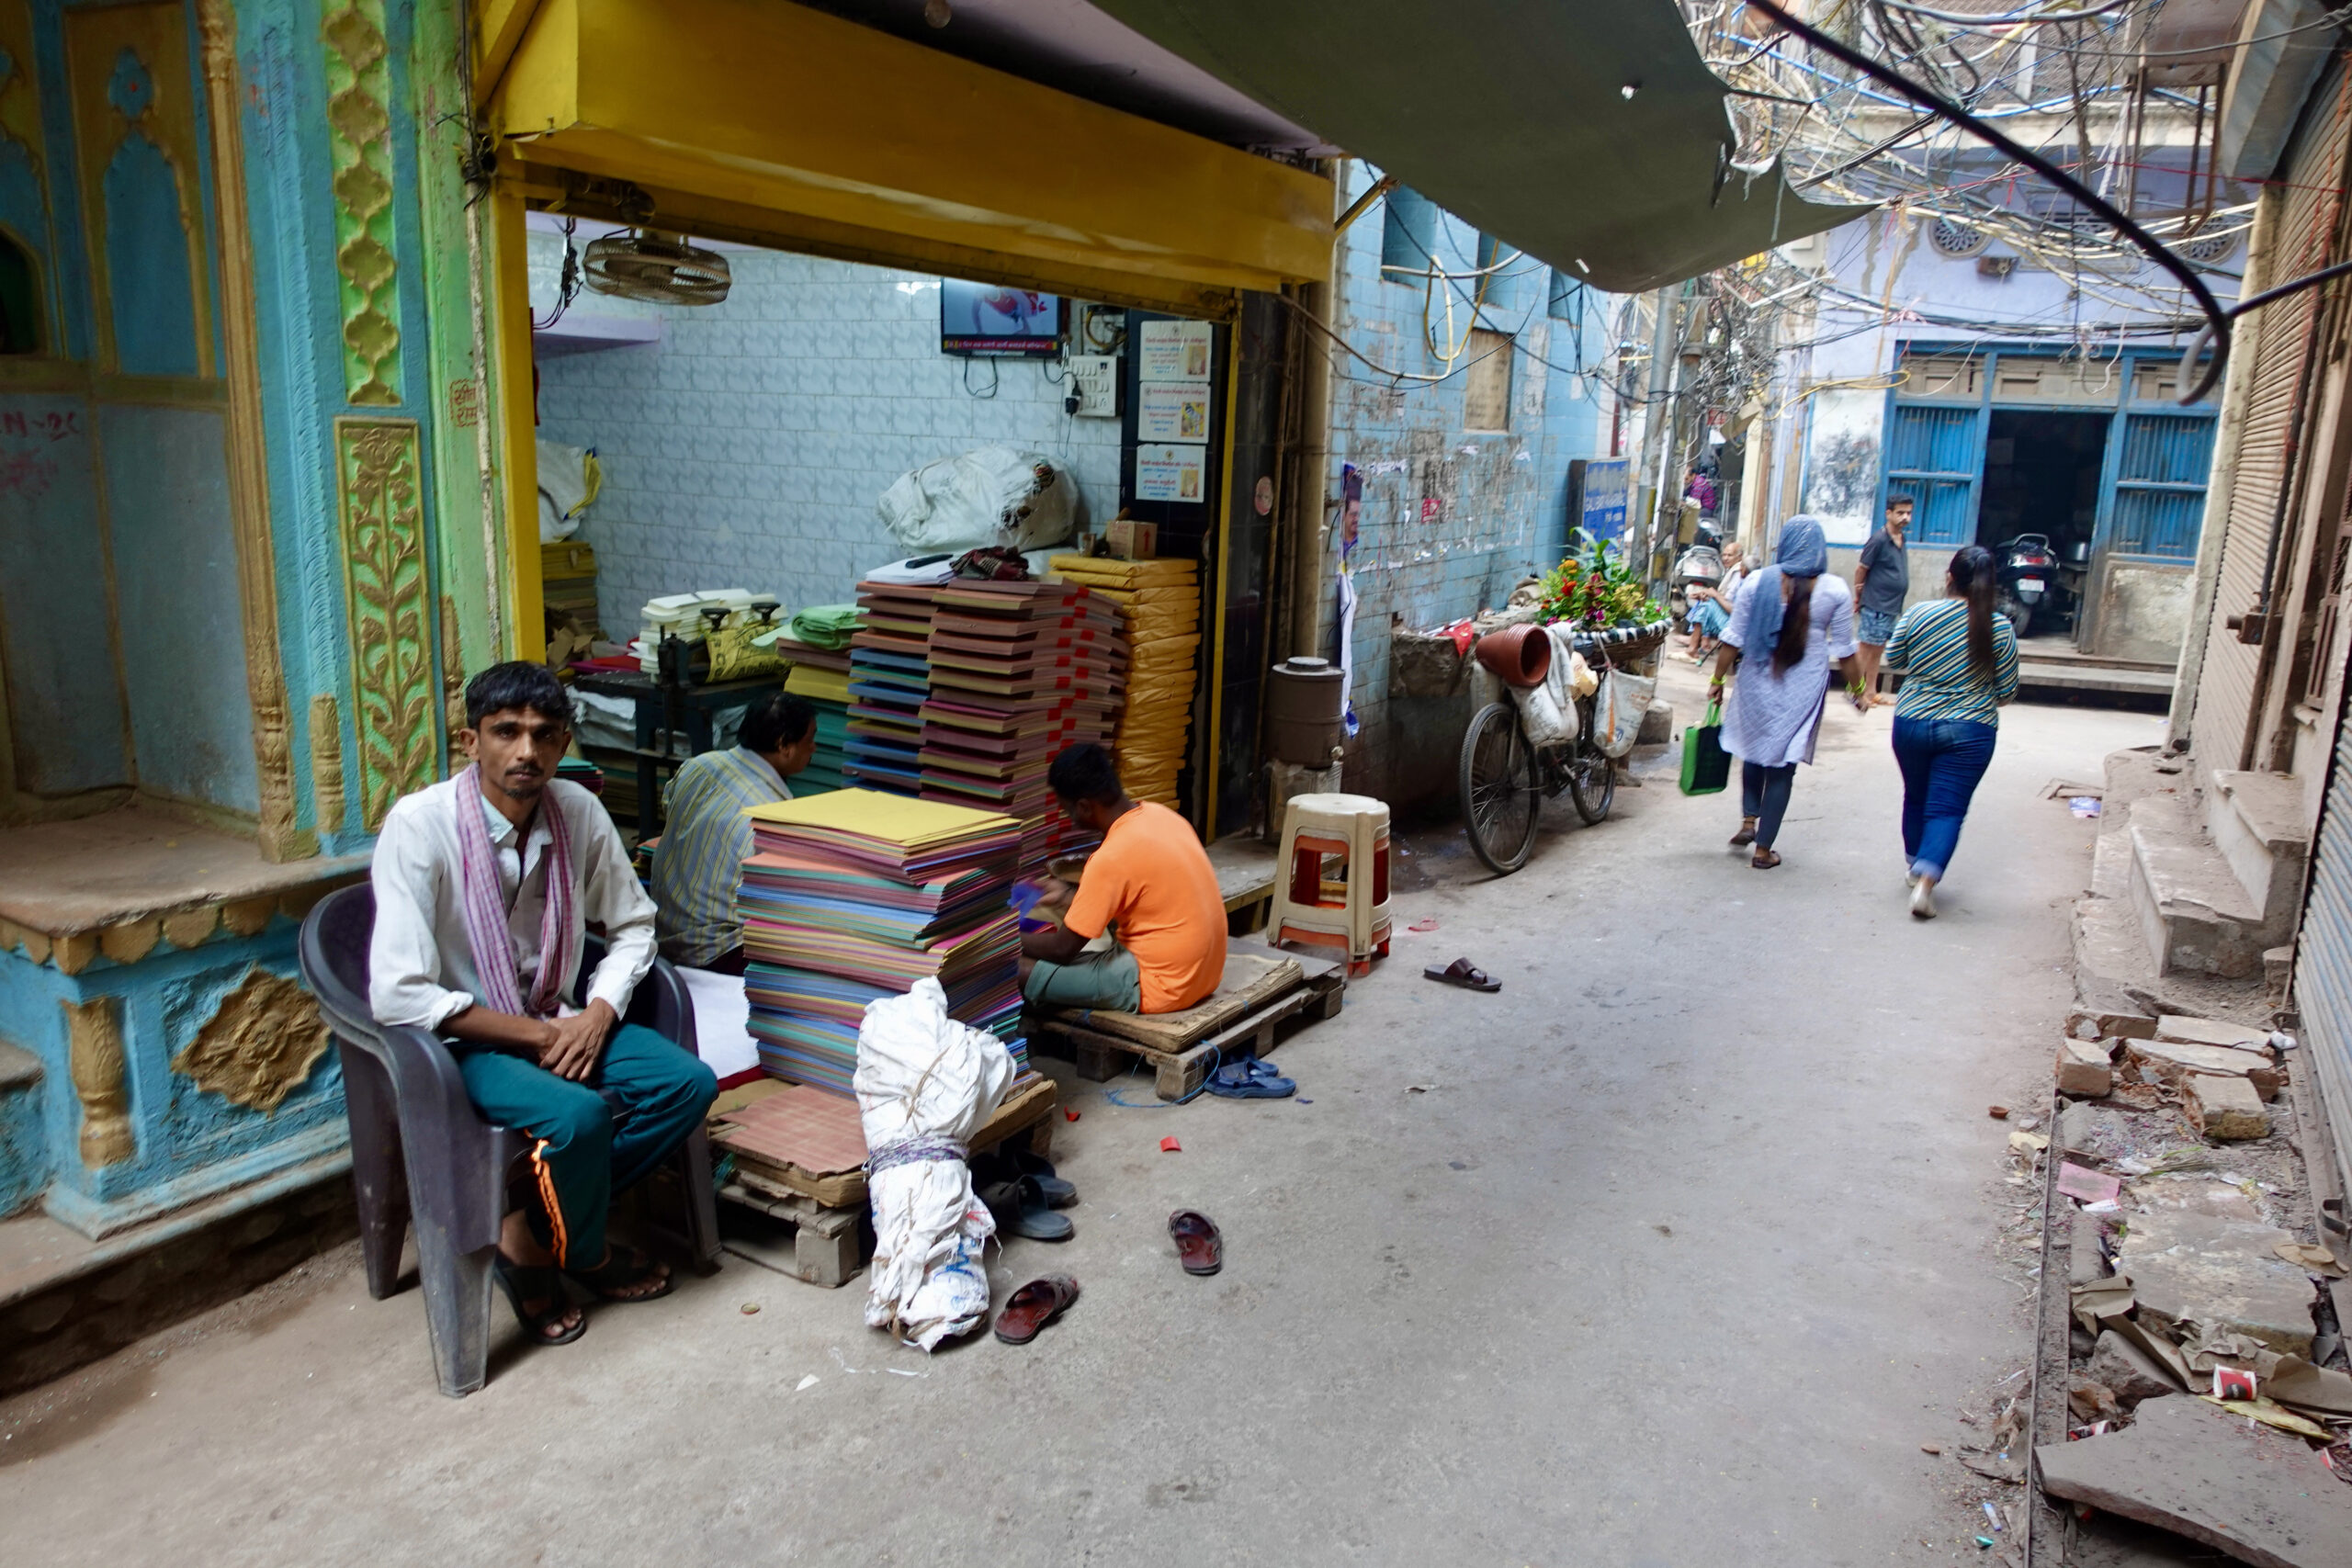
(1882, 582)
(699, 864)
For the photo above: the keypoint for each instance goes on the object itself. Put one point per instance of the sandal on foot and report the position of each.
(522, 1282)
(1763, 860)
(1032, 1306)
(624, 1270)
(1200, 1246)
(1464, 973)
(1747, 834)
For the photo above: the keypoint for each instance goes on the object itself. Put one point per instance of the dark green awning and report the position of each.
(1513, 116)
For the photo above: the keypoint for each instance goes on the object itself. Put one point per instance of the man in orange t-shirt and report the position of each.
(1151, 880)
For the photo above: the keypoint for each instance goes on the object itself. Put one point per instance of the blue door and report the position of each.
(2156, 499)
(1934, 455)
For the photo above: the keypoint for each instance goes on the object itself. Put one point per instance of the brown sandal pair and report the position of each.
(1200, 1248)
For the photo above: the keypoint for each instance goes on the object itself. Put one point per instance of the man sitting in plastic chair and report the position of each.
(484, 887)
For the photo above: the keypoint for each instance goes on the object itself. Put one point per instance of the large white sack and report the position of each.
(1617, 713)
(925, 1084)
(988, 496)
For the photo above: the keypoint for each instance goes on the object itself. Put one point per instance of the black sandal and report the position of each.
(623, 1267)
(522, 1282)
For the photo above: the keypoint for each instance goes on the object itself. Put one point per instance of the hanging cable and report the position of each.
(2218, 321)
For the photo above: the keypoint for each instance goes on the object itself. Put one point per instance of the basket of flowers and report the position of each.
(1606, 603)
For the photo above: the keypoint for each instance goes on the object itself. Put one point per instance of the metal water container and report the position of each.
(1303, 712)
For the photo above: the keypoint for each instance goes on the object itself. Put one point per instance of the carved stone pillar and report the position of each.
(95, 1062)
(248, 470)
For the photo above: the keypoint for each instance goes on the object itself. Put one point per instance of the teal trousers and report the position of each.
(592, 1139)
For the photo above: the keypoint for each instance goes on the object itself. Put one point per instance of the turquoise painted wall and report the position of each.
(175, 589)
(65, 696)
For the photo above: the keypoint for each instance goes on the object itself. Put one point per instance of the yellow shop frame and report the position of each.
(777, 124)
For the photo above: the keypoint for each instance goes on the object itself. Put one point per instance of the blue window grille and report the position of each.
(1934, 455)
(1407, 232)
(2159, 498)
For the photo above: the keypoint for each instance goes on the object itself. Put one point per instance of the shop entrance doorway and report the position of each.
(2042, 476)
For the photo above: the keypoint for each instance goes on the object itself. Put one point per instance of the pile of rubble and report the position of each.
(2204, 1391)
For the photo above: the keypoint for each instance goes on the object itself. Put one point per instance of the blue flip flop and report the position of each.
(1249, 1078)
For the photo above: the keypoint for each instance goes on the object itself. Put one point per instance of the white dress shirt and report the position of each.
(421, 963)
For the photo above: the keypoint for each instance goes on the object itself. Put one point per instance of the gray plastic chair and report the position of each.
(420, 1154)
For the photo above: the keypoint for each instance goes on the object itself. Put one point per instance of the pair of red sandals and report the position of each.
(1200, 1248)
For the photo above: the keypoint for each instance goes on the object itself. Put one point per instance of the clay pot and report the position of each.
(1520, 655)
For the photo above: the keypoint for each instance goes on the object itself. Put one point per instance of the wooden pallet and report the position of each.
(1180, 1069)
(829, 1245)
(831, 1238)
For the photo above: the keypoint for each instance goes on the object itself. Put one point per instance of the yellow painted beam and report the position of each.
(518, 452)
(780, 107)
(499, 27)
(562, 190)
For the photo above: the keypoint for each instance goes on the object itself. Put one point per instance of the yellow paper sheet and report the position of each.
(896, 817)
(825, 685)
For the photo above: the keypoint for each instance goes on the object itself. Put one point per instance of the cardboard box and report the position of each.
(1130, 540)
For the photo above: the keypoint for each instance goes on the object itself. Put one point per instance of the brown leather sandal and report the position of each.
(1200, 1246)
(1763, 860)
(1747, 834)
(1032, 1306)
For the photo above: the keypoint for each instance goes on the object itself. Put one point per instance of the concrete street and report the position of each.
(1673, 1252)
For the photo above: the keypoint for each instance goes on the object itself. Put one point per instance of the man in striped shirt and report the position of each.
(699, 864)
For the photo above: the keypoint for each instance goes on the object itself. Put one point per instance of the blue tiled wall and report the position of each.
(748, 449)
(1502, 498)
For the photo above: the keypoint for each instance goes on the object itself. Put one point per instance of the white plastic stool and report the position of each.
(1352, 914)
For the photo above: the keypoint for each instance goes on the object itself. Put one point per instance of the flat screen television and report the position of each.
(986, 318)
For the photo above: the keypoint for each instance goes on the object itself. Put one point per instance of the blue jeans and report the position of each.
(1941, 758)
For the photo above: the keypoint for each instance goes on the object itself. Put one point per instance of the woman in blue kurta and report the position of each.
(1787, 625)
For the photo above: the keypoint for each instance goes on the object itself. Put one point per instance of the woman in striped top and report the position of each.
(1959, 663)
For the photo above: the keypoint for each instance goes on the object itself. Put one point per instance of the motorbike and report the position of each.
(2028, 566)
(1701, 565)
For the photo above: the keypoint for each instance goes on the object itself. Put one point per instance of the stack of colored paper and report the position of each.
(1161, 601)
(827, 691)
(1018, 671)
(856, 895)
(888, 677)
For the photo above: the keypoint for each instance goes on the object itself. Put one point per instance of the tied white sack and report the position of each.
(988, 496)
(925, 1084)
(1617, 715)
(1549, 711)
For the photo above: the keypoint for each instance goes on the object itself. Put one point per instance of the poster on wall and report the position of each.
(1841, 456)
(1173, 411)
(1173, 351)
(1170, 473)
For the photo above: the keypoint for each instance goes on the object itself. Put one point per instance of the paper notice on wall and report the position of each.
(1173, 351)
(1173, 411)
(1171, 473)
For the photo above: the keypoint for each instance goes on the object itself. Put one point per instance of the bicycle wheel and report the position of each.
(1593, 780)
(1501, 803)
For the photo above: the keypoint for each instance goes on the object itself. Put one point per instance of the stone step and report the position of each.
(2256, 822)
(2193, 912)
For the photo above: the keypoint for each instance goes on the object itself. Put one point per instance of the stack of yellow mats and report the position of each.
(1161, 601)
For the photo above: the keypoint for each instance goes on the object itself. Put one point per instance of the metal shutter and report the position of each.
(2280, 337)
(2323, 959)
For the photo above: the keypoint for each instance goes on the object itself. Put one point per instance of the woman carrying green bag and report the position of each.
(1706, 766)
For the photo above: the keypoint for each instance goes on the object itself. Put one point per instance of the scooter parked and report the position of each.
(1701, 565)
(2028, 565)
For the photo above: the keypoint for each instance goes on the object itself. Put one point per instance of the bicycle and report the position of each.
(1506, 777)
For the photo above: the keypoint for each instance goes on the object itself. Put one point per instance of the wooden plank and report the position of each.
(1250, 979)
(1177, 1074)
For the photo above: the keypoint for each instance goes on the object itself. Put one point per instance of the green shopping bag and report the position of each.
(1706, 766)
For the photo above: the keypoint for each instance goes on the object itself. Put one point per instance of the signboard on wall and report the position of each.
(1173, 411)
(1597, 489)
(1171, 473)
(1174, 351)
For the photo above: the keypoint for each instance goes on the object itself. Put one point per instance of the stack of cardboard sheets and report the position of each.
(1161, 601)
(827, 691)
(890, 675)
(1018, 671)
(856, 895)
